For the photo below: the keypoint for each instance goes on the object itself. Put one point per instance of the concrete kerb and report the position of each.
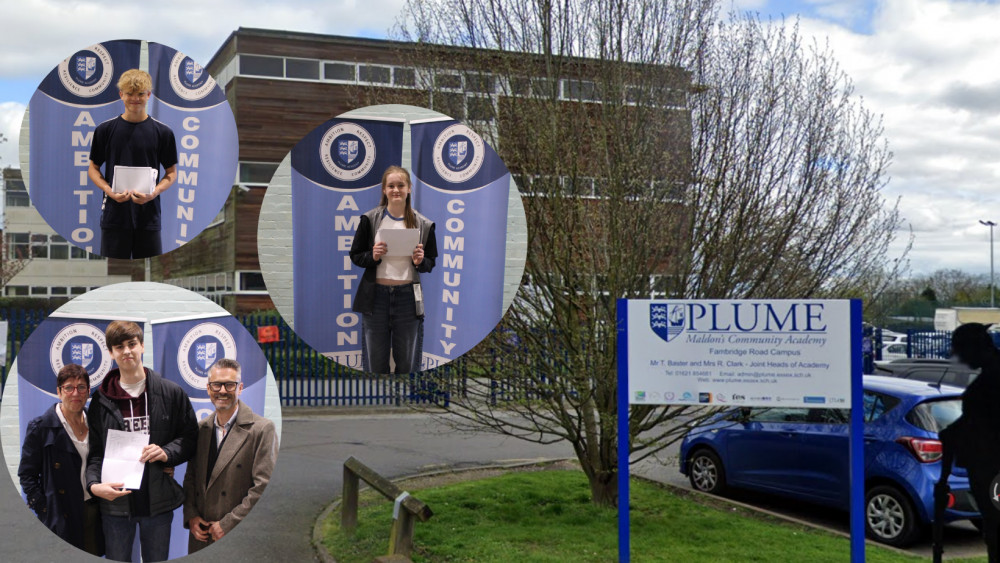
(683, 491)
(317, 535)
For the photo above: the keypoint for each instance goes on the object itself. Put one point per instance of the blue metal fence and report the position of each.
(304, 377)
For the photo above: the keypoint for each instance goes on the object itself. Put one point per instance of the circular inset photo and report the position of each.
(132, 149)
(392, 239)
(145, 426)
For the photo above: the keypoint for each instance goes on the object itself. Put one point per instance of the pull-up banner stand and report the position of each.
(742, 353)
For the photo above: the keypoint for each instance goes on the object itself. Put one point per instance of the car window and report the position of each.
(896, 348)
(960, 378)
(780, 415)
(935, 415)
(828, 416)
(877, 404)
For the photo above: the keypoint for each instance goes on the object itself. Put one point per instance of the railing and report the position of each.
(406, 512)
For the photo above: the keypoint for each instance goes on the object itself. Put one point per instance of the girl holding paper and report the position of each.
(389, 296)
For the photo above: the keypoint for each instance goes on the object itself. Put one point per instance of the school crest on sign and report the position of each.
(666, 320)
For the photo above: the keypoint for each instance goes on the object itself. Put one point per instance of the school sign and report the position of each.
(741, 353)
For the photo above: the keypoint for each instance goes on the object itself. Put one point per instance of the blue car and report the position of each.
(802, 453)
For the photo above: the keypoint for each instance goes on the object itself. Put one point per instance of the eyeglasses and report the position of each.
(218, 385)
(70, 389)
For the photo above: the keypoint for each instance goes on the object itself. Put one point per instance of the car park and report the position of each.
(802, 454)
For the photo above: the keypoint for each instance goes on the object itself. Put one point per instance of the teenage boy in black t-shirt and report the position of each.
(130, 220)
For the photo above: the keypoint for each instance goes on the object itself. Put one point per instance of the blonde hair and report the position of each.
(135, 80)
(409, 217)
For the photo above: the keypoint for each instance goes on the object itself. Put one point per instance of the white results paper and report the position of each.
(141, 179)
(122, 451)
(400, 242)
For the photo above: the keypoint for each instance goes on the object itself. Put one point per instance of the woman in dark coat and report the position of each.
(52, 464)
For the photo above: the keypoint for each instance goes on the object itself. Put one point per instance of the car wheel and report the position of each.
(707, 474)
(890, 517)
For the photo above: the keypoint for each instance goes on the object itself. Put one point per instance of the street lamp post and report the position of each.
(991, 224)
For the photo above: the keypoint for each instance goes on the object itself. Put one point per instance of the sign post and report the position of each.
(803, 353)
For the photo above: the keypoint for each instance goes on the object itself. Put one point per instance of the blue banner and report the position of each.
(463, 186)
(82, 92)
(188, 100)
(71, 101)
(336, 176)
(58, 341)
(183, 350)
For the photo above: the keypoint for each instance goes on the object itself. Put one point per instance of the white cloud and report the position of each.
(39, 33)
(929, 66)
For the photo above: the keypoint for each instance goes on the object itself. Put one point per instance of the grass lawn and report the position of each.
(546, 516)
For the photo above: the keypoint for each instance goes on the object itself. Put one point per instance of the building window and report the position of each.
(39, 291)
(262, 66)
(39, 246)
(579, 90)
(58, 248)
(252, 281)
(60, 291)
(378, 74)
(77, 253)
(338, 71)
(257, 172)
(16, 195)
(405, 76)
(448, 81)
(302, 68)
(17, 290)
(477, 82)
(77, 290)
(18, 245)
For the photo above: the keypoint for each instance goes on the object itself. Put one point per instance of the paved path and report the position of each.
(307, 477)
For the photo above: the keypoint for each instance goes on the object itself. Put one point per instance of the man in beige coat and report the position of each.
(233, 463)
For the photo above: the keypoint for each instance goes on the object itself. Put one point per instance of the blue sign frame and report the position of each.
(856, 436)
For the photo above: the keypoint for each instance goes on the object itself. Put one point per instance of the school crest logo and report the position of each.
(82, 353)
(86, 67)
(81, 344)
(458, 153)
(200, 347)
(87, 72)
(347, 151)
(666, 320)
(188, 79)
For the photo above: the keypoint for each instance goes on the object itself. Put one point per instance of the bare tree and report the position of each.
(661, 153)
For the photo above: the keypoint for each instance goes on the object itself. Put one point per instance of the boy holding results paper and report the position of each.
(137, 400)
(132, 147)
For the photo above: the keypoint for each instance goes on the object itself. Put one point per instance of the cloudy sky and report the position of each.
(930, 67)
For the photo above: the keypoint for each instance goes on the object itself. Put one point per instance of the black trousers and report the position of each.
(980, 479)
(128, 243)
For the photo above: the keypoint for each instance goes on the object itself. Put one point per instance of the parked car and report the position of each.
(802, 454)
(893, 351)
(889, 337)
(929, 371)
